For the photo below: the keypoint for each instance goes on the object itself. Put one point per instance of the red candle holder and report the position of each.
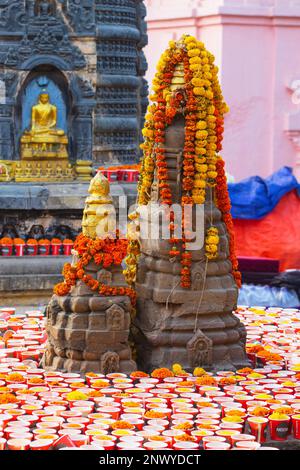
(279, 428)
(41, 444)
(67, 248)
(18, 444)
(20, 250)
(258, 426)
(44, 250)
(32, 250)
(56, 248)
(296, 426)
(6, 250)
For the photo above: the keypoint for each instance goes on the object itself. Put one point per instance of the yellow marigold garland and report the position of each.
(211, 243)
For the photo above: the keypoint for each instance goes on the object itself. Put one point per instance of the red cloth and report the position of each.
(275, 236)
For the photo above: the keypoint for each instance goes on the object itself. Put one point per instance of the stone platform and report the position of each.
(54, 196)
(30, 280)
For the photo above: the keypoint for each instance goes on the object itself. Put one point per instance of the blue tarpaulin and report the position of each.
(255, 197)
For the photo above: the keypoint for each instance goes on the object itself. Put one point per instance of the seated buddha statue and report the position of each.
(44, 139)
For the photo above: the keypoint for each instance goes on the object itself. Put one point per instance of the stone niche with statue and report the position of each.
(73, 97)
(73, 93)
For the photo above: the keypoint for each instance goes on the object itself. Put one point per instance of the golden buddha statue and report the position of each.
(44, 140)
(99, 216)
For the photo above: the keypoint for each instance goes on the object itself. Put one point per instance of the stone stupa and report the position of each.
(88, 332)
(194, 327)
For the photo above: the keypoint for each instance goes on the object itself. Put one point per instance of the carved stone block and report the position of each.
(115, 319)
(110, 362)
(199, 349)
(104, 277)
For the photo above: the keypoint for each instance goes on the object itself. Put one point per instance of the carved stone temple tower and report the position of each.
(186, 298)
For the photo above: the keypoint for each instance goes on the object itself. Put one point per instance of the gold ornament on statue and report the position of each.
(178, 80)
(99, 216)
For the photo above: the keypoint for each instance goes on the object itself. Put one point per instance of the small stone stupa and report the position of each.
(89, 316)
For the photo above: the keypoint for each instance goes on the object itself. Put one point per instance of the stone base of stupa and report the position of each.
(194, 327)
(89, 332)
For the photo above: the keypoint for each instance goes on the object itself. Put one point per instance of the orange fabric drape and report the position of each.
(277, 235)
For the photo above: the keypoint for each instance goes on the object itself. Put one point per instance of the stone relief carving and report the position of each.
(104, 276)
(12, 15)
(85, 87)
(45, 42)
(11, 81)
(115, 318)
(80, 15)
(110, 362)
(199, 350)
(45, 27)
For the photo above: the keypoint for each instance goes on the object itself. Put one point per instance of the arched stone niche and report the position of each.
(73, 96)
(49, 79)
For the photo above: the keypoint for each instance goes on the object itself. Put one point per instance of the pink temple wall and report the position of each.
(255, 43)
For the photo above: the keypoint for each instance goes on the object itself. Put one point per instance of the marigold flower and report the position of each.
(156, 438)
(19, 241)
(235, 412)
(232, 419)
(279, 416)
(122, 425)
(36, 380)
(15, 377)
(6, 241)
(6, 398)
(155, 414)
(288, 410)
(177, 369)
(185, 438)
(245, 370)
(227, 381)
(162, 373)
(260, 411)
(184, 426)
(76, 395)
(139, 374)
(206, 380)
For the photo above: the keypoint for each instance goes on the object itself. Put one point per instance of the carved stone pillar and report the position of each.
(120, 67)
(83, 130)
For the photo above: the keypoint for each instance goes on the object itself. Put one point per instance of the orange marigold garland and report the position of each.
(105, 252)
(223, 203)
